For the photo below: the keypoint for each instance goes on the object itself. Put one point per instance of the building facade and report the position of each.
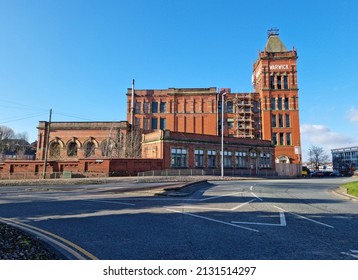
(271, 112)
(203, 152)
(275, 79)
(345, 160)
(72, 140)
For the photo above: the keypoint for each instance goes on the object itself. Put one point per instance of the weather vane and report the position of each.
(272, 31)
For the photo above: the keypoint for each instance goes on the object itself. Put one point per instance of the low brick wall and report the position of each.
(33, 169)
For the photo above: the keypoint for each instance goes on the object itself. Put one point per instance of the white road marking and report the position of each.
(201, 207)
(251, 187)
(283, 219)
(305, 218)
(213, 197)
(256, 196)
(213, 208)
(240, 205)
(281, 224)
(108, 201)
(209, 219)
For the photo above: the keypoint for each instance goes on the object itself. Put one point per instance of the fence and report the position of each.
(209, 172)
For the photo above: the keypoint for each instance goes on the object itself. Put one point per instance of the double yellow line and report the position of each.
(72, 251)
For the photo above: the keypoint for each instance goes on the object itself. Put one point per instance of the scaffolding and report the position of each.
(244, 115)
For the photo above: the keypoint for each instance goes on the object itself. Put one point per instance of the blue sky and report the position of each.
(78, 57)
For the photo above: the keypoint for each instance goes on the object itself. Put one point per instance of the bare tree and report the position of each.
(13, 143)
(6, 133)
(317, 156)
(22, 136)
(133, 143)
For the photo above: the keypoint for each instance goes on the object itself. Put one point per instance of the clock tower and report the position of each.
(275, 79)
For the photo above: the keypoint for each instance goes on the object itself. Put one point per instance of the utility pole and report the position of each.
(47, 144)
(132, 104)
(132, 122)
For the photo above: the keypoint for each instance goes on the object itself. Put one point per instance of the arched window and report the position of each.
(89, 149)
(54, 150)
(72, 149)
(107, 147)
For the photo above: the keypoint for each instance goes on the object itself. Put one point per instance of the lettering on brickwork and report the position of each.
(279, 67)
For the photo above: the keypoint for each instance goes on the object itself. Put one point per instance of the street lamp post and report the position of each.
(222, 132)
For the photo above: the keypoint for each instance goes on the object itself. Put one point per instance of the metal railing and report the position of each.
(209, 172)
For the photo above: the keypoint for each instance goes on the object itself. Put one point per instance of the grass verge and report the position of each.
(352, 188)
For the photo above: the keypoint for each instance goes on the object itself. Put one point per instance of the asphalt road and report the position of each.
(295, 219)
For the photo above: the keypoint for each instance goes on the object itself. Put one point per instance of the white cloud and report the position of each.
(353, 115)
(323, 136)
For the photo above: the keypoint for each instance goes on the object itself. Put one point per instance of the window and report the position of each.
(280, 120)
(137, 122)
(279, 82)
(199, 158)
(279, 105)
(137, 107)
(230, 123)
(55, 150)
(274, 138)
(107, 146)
(273, 121)
(178, 157)
(288, 122)
(219, 106)
(72, 149)
(229, 107)
(282, 140)
(265, 160)
(285, 82)
(272, 82)
(146, 124)
(288, 139)
(287, 106)
(146, 107)
(163, 107)
(154, 123)
(256, 106)
(163, 123)
(212, 159)
(227, 159)
(89, 149)
(273, 103)
(241, 160)
(154, 107)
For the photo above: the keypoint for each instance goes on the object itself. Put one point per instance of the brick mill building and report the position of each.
(269, 113)
(182, 128)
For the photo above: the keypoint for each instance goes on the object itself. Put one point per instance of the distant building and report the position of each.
(345, 160)
(18, 149)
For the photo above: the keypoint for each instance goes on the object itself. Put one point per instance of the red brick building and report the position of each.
(275, 79)
(182, 128)
(73, 140)
(198, 151)
(270, 113)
